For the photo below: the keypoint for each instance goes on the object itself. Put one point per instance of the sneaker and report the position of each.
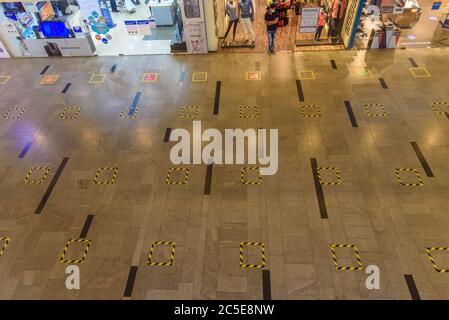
(253, 43)
(245, 42)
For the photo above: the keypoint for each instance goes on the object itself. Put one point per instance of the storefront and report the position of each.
(403, 23)
(33, 28)
(336, 24)
(328, 23)
(303, 25)
(103, 27)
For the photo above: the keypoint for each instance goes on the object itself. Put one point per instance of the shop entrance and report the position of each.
(403, 24)
(285, 37)
(138, 27)
(320, 24)
(299, 21)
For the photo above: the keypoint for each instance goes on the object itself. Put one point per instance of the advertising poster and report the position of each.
(92, 13)
(309, 20)
(138, 27)
(436, 5)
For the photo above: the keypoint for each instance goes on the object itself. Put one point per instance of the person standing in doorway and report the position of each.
(334, 19)
(231, 11)
(271, 21)
(321, 21)
(247, 17)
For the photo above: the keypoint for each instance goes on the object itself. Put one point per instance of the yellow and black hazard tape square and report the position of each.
(28, 179)
(307, 114)
(329, 183)
(244, 179)
(17, 114)
(5, 241)
(429, 254)
(114, 171)
(245, 114)
(435, 106)
(66, 248)
(169, 176)
(357, 255)
(188, 112)
(162, 243)
(124, 114)
(262, 248)
(73, 112)
(409, 184)
(369, 110)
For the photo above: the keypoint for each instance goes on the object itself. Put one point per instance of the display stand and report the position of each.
(237, 44)
(194, 26)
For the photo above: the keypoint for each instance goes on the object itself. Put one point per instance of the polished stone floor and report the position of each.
(79, 160)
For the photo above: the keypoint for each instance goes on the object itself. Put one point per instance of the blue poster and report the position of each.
(436, 5)
(10, 15)
(107, 15)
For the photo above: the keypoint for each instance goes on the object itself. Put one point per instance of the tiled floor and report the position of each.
(115, 168)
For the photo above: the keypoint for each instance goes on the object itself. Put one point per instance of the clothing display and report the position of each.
(247, 16)
(231, 11)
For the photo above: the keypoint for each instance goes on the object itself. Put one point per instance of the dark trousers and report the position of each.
(318, 32)
(333, 27)
(231, 23)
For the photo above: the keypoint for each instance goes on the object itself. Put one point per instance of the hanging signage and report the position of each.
(138, 27)
(398, 10)
(436, 5)
(387, 9)
(309, 20)
(10, 15)
(351, 21)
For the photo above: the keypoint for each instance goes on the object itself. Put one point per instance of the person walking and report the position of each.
(271, 21)
(247, 17)
(321, 21)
